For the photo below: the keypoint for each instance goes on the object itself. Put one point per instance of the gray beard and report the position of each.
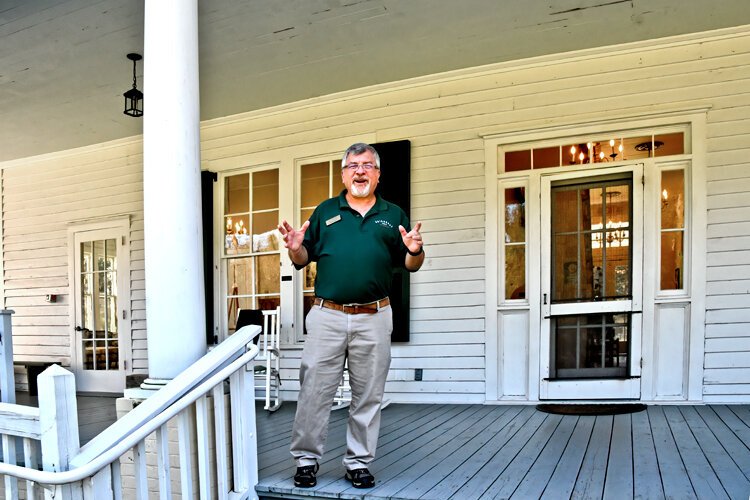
(363, 193)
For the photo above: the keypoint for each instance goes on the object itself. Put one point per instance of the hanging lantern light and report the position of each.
(134, 97)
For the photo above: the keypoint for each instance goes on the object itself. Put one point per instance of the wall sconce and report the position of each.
(134, 97)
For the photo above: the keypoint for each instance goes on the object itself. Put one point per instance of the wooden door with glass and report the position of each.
(101, 336)
(591, 285)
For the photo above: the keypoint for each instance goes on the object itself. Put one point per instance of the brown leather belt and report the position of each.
(370, 308)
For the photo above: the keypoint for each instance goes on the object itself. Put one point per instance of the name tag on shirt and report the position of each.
(333, 220)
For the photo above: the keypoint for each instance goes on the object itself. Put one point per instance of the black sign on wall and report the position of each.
(395, 186)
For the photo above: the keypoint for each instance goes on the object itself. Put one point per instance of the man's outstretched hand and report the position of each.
(412, 239)
(293, 237)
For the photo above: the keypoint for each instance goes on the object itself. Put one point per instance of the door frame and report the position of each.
(119, 229)
(603, 388)
(690, 117)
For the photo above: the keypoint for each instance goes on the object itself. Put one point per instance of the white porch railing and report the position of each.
(217, 447)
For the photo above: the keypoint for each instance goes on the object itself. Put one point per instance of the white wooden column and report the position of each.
(171, 188)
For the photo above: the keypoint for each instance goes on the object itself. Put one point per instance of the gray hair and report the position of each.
(357, 149)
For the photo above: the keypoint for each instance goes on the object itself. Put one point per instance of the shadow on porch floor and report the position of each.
(476, 452)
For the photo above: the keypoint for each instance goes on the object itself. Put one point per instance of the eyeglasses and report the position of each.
(353, 167)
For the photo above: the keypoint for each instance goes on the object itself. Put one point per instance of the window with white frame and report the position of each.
(513, 242)
(251, 243)
(672, 230)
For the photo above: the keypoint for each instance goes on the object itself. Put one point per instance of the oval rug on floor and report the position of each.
(591, 409)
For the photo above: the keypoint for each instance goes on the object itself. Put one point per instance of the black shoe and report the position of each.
(305, 476)
(360, 478)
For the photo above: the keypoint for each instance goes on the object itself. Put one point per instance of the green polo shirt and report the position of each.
(356, 255)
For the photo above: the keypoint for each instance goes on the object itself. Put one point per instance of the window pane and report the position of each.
(565, 278)
(113, 355)
(111, 303)
(111, 250)
(672, 255)
(87, 304)
(546, 157)
(237, 239)
(592, 262)
(565, 210)
(592, 208)
(517, 160)
(100, 355)
(266, 189)
(305, 215)
(515, 272)
(315, 183)
(672, 199)
(239, 276)
(592, 345)
(572, 154)
(268, 270)
(237, 194)
(88, 355)
(515, 216)
(265, 223)
(637, 147)
(669, 144)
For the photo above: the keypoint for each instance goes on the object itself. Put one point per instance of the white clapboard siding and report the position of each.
(445, 117)
(41, 199)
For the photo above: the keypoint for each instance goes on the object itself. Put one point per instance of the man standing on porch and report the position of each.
(357, 239)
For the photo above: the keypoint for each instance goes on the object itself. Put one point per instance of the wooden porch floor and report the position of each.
(475, 451)
(95, 412)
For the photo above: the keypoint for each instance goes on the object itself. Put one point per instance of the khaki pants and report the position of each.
(332, 336)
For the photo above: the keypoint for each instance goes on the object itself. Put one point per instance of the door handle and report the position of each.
(79, 329)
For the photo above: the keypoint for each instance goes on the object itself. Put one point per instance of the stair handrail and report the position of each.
(149, 423)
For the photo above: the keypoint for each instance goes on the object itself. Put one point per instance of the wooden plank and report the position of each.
(488, 473)
(736, 449)
(482, 451)
(275, 457)
(395, 454)
(563, 480)
(732, 479)
(730, 419)
(702, 477)
(280, 477)
(511, 476)
(403, 476)
(539, 475)
(457, 467)
(618, 482)
(674, 477)
(646, 478)
(594, 467)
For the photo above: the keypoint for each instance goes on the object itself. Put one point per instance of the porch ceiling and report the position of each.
(63, 68)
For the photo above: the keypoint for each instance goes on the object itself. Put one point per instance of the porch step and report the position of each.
(268, 495)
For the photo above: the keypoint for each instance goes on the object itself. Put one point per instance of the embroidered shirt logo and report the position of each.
(382, 222)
